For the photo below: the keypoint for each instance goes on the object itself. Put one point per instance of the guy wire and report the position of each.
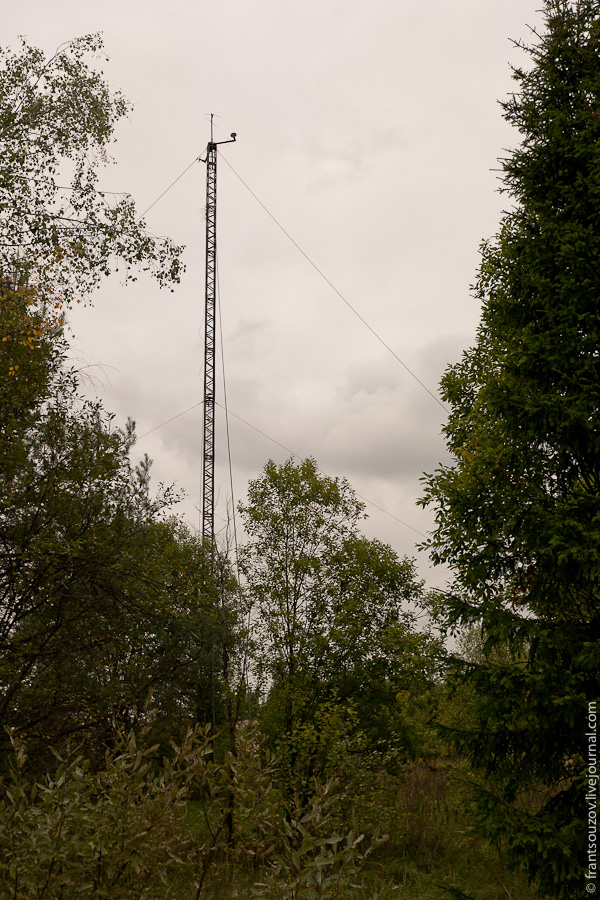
(226, 408)
(333, 287)
(233, 511)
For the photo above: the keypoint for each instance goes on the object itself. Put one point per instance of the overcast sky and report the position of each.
(369, 131)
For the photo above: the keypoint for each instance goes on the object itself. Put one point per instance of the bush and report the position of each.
(118, 833)
(145, 829)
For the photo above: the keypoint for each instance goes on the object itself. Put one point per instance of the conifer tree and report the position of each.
(518, 511)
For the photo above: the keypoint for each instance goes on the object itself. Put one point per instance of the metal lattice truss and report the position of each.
(208, 445)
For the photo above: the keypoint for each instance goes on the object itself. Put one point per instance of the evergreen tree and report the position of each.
(518, 512)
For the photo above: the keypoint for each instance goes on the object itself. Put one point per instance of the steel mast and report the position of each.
(208, 434)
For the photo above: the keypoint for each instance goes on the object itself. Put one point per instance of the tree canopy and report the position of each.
(333, 615)
(59, 232)
(518, 511)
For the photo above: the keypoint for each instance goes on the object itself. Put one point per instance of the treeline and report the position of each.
(292, 724)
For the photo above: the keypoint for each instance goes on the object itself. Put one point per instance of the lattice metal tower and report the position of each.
(208, 435)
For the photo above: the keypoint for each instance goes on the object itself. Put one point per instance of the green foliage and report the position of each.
(518, 513)
(327, 744)
(104, 598)
(99, 594)
(315, 863)
(60, 233)
(334, 615)
(125, 830)
(294, 518)
(119, 832)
